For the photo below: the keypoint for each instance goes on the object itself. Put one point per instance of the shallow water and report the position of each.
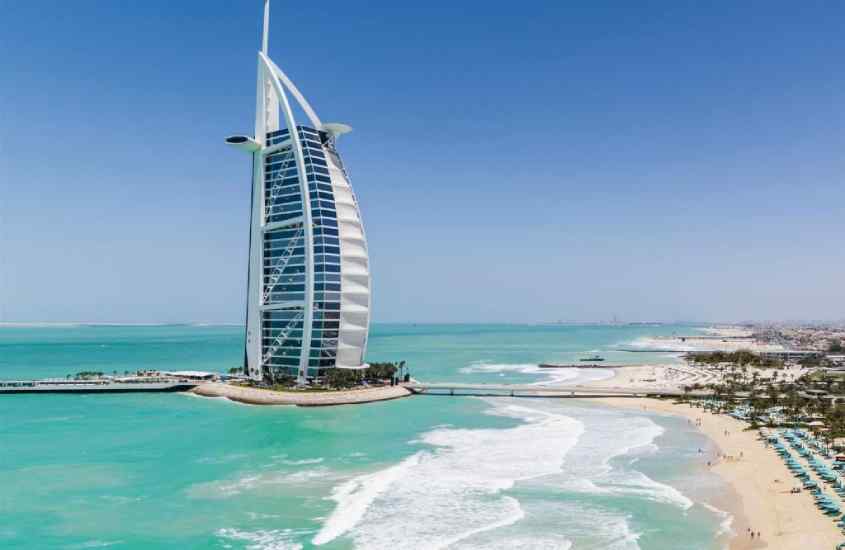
(177, 471)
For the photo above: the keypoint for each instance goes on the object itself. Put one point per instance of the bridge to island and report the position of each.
(534, 390)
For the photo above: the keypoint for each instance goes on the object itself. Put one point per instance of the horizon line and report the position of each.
(59, 324)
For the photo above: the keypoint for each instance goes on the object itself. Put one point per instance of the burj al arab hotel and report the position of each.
(308, 290)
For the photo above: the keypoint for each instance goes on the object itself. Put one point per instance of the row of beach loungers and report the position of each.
(773, 415)
(815, 453)
(684, 376)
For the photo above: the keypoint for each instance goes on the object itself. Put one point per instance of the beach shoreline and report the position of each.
(710, 339)
(759, 479)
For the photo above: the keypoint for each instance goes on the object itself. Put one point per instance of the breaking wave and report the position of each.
(552, 376)
(609, 440)
(264, 539)
(452, 492)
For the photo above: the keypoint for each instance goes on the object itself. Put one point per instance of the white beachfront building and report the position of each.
(308, 292)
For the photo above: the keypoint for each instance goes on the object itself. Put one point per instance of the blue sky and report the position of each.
(514, 161)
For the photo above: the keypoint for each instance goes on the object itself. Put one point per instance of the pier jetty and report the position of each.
(535, 390)
(97, 385)
(578, 366)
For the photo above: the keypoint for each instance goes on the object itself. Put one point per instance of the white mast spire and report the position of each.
(265, 35)
(351, 322)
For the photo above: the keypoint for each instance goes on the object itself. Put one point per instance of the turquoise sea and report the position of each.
(178, 471)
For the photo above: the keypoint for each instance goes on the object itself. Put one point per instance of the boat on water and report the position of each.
(98, 385)
(591, 359)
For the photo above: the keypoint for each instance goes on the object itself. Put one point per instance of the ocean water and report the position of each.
(178, 471)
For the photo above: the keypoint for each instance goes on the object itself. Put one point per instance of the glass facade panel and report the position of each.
(284, 253)
(282, 331)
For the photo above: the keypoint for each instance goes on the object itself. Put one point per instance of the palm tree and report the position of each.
(773, 394)
(793, 404)
(828, 381)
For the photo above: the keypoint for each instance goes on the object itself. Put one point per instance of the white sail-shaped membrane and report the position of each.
(289, 293)
(354, 270)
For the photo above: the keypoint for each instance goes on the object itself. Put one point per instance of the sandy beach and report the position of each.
(675, 376)
(257, 396)
(707, 339)
(760, 479)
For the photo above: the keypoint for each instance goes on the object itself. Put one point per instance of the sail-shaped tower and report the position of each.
(308, 290)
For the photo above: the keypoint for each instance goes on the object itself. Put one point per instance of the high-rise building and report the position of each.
(308, 291)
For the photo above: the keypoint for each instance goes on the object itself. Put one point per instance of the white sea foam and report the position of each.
(552, 376)
(232, 401)
(609, 440)
(514, 515)
(451, 492)
(213, 397)
(260, 516)
(636, 483)
(121, 499)
(614, 531)
(564, 523)
(726, 525)
(497, 368)
(96, 544)
(222, 459)
(282, 459)
(264, 539)
(355, 496)
(257, 482)
(534, 542)
(662, 344)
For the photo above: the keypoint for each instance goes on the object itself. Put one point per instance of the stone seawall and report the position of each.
(258, 396)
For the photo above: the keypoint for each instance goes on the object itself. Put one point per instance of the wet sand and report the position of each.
(760, 479)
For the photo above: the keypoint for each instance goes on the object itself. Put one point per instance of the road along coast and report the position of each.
(259, 396)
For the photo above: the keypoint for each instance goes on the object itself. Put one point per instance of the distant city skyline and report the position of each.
(514, 163)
